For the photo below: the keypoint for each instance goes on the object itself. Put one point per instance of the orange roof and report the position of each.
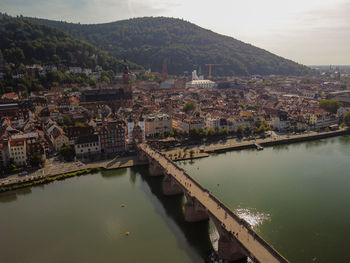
(72, 99)
(10, 95)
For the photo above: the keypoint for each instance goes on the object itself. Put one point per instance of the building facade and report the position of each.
(156, 124)
(18, 151)
(88, 147)
(112, 137)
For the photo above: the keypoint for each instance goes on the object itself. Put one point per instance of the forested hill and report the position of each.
(148, 41)
(24, 41)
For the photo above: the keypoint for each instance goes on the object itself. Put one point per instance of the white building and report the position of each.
(212, 123)
(18, 151)
(88, 146)
(321, 120)
(75, 70)
(157, 123)
(280, 123)
(205, 83)
(342, 110)
(132, 125)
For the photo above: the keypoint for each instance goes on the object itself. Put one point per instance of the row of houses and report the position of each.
(89, 141)
(19, 148)
(156, 124)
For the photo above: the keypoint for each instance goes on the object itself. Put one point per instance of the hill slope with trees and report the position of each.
(148, 41)
(24, 41)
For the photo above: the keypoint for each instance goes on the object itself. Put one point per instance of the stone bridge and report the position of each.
(237, 240)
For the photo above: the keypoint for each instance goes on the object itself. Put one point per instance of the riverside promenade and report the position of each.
(53, 168)
(235, 145)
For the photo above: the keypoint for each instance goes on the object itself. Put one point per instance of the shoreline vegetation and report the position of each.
(196, 155)
(49, 179)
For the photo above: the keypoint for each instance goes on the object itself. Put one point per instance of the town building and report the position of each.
(34, 144)
(18, 151)
(156, 124)
(113, 137)
(88, 147)
(74, 133)
(133, 125)
(201, 83)
(321, 119)
(56, 134)
(3, 155)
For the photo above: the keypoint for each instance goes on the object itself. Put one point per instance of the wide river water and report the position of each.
(296, 196)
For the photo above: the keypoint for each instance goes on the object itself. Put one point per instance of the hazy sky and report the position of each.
(307, 31)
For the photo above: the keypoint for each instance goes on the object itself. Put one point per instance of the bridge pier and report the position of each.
(194, 211)
(170, 187)
(141, 155)
(229, 248)
(154, 168)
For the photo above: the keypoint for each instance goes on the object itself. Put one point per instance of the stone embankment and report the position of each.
(58, 171)
(234, 145)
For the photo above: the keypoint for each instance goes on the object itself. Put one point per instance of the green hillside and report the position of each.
(24, 41)
(148, 41)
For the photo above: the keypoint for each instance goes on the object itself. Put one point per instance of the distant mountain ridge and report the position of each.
(148, 41)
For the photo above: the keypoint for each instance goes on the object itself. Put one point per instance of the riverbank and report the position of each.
(47, 179)
(235, 145)
(59, 171)
(54, 171)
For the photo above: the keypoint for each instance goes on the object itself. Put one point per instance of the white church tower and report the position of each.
(131, 126)
(142, 126)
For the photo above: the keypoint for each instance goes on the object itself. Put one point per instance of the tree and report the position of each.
(330, 105)
(210, 132)
(346, 118)
(194, 133)
(67, 152)
(241, 105)
(247, 130)
(189, 107)
(240, 131)
(191, 154)
(67, 121)
(35, 159)
(203, 133)
(80, 124)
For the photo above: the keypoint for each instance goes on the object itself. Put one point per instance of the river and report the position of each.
(295, 196)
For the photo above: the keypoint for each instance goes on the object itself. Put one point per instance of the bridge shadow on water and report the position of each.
(196, 234)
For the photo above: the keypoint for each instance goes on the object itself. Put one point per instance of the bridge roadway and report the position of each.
(254, 246)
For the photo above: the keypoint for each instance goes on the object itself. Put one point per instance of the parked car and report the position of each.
(23, 173)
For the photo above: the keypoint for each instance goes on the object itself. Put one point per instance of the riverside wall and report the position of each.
(270, 142)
